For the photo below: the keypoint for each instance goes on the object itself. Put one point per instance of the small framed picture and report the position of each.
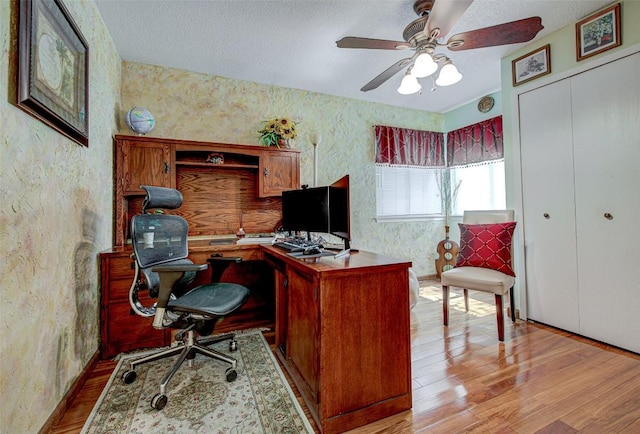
(532, 65)
(53, 68)
(599, 32)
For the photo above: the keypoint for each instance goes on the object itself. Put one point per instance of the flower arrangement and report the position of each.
(278, 132)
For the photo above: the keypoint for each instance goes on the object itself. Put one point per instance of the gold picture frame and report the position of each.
(598, 33)
(532, 65)
(53, 68)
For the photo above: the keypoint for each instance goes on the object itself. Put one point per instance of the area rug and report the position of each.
(200, 399)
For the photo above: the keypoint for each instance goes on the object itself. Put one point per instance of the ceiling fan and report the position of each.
(424, 35)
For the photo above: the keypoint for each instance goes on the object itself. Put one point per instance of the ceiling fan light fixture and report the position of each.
(449, 74)
(409, 85)
(424, 66)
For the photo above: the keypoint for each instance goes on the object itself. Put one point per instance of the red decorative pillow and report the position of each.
(486, 246)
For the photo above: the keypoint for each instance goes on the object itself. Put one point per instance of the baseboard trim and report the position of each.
(71, 394)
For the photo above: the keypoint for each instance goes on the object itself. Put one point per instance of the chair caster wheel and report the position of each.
(159, 401)
(231, 374)
(233, 345)
(129, 377)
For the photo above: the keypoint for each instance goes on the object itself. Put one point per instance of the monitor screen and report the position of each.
(306, 210)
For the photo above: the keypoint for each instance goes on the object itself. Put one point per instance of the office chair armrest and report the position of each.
(220, 263)
(179, 267)
(169, 275)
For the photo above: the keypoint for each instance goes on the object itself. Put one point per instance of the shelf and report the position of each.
(217, 166)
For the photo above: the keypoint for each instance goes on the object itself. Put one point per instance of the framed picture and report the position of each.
(599, 32)
(532, 65)
(53, 68)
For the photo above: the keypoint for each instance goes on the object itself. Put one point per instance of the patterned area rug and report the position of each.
(200, 399)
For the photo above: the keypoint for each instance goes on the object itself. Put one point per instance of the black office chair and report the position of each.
(163, 270)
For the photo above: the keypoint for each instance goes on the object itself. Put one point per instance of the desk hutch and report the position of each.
(242, 186)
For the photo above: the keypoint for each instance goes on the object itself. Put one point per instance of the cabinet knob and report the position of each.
(266, 171)
(608, 216)
(546, 215)
(166, 167)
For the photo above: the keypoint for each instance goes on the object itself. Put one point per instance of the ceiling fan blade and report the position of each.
(502, 34)
(387, 74)
(377, 44)
(444, 15)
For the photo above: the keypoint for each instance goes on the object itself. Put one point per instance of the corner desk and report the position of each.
(342, 326)
(342, 333)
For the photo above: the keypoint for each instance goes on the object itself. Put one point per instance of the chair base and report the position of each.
(187, 349)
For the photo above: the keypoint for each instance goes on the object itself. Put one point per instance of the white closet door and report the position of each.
(548, 199)
(606, 119)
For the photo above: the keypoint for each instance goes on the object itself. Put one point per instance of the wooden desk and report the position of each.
(342, 325)
(342, 332)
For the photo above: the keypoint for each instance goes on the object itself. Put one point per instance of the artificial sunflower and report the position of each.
(278, 132)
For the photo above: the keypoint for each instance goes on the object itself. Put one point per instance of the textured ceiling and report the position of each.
(292, 43)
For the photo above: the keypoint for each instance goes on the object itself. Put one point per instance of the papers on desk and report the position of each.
(255, 240)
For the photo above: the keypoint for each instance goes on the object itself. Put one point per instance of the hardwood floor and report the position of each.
(540, 380)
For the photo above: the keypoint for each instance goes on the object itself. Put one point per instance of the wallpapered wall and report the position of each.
(55, 217)
(195, 106)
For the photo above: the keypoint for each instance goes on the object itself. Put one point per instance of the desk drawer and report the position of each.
(121, 267)
(127, 331)
(118, 290)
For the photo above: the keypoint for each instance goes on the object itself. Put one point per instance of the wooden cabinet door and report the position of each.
(606, 125)
(302, 329)
(121, 329)
(279, 171)
(546, 143)
(144, 163)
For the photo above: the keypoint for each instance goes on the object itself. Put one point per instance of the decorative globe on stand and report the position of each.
(140, 120)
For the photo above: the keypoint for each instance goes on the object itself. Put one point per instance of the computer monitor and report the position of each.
(319, 209)
(306, 210)
(339, 210)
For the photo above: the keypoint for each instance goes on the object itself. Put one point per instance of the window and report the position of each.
(411, 189)
(478, 187)
(407, 192)
(407, 166)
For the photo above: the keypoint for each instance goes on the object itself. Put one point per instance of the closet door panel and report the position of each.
(606, 120)
(548, 198)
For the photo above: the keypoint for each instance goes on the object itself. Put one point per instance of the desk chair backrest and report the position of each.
(158, 239)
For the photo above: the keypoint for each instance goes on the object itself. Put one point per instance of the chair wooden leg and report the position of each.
(466, 299)
(500, 317)
(512, 304)
(445, 305)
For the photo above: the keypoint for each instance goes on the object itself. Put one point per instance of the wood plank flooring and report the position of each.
(540, 380)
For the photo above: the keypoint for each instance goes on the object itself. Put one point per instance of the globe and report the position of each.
(140, 120)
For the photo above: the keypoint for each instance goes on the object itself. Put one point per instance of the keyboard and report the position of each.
(295, 245)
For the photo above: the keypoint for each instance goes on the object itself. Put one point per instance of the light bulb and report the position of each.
(449, 74)
(424, 66)
(409, 85)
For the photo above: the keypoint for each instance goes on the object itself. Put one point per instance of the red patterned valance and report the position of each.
(404, 146)
(475, 143)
